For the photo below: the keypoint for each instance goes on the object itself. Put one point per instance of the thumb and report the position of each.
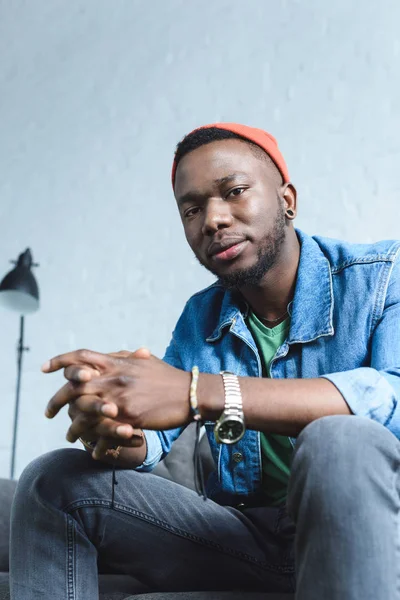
(141, 353)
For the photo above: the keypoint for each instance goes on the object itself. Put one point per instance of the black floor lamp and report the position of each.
(19, 292)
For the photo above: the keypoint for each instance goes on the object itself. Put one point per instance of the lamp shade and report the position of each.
(19, 290)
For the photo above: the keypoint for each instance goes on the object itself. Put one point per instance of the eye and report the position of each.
(237, 191)
(191, 212)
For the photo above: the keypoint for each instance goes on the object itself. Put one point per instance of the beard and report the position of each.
(266, 258)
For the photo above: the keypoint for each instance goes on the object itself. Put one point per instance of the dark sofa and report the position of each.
(178, 466)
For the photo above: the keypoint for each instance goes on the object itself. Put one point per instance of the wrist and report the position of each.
(210, 396)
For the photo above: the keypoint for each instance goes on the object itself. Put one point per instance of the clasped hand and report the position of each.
(112, 397)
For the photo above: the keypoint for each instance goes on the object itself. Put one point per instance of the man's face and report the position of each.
(231, 211)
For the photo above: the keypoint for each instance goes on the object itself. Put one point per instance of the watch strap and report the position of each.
(233, 395)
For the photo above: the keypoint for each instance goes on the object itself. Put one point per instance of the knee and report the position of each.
(340, 455)
(332, 440)
(52, 476)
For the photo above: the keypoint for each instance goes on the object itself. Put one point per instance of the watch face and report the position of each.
(230, 430)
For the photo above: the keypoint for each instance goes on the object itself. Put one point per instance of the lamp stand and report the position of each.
(20, 351)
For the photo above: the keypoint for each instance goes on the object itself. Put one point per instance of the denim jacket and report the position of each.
(345, 326)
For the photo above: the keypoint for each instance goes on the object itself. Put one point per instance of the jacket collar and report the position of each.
(311, 309)
(312, 306)
(233, 306)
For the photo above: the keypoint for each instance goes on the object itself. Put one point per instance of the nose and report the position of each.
(217, 215)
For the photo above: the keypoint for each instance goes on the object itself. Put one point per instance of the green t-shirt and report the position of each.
(276, 449)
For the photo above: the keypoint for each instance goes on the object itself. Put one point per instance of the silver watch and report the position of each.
(230, 427)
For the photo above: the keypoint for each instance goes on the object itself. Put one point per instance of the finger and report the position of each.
(96, 406)
(96, 427)
(100, 449)
(68, 393)
(79, 357)
(81, 425)
(65, 395)
(80, 374)
(113, 429)
(140, 353)
(121, 354)
(74, 411)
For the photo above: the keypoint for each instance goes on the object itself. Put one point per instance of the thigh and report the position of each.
(169, 538)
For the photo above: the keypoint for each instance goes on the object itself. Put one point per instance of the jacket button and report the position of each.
(237, 457)
(241, 506)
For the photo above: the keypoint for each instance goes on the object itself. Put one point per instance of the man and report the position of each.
(302, 423)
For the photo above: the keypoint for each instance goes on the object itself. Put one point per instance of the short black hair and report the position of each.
(201, 137)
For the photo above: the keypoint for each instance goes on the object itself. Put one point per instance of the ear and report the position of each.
(289, 195)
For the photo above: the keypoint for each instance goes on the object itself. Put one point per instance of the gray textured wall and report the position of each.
(94, 94)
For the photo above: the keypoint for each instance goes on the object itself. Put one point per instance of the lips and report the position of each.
(226, 249)
(224, 244)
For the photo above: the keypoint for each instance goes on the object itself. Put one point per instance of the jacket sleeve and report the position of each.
(374, 391)
(159, 442)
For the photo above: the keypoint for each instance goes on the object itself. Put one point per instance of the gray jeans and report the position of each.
(343, 497)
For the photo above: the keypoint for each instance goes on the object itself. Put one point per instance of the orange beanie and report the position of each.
(262, 138)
